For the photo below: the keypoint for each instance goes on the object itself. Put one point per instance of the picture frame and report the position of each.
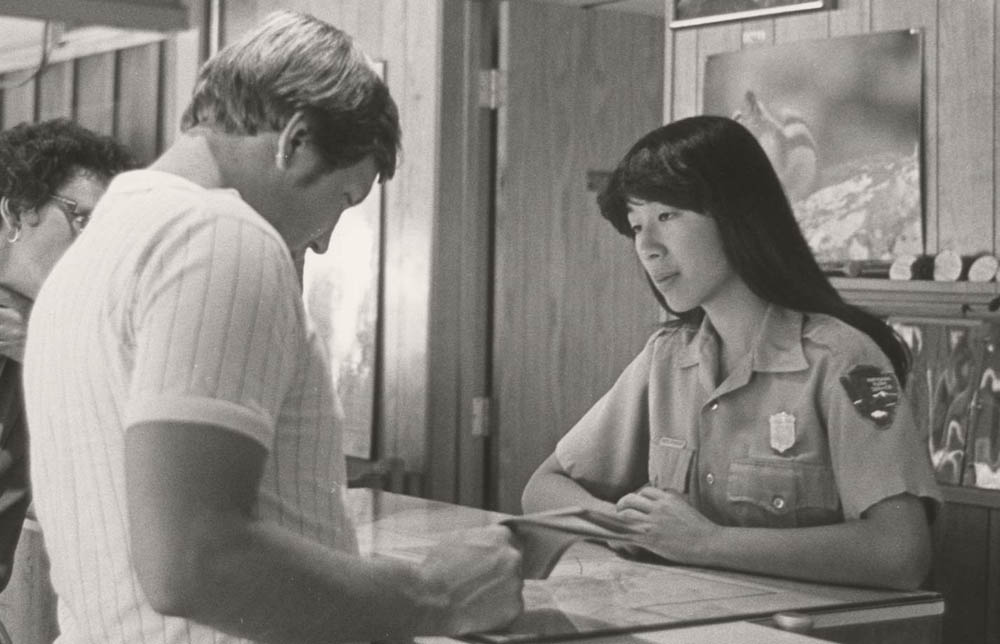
(847, 152)
(692, 13)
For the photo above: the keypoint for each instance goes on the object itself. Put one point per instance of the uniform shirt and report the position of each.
(176, 304)
(794, 436)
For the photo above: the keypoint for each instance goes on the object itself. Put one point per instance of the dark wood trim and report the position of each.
(972, 496)
(993, 579)
(461, 298)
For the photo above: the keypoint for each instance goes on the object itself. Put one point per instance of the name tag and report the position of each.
(667, 441)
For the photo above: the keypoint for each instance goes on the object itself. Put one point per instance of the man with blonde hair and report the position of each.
(189, 469)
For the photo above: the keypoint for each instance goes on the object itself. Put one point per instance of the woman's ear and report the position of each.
(11, 221)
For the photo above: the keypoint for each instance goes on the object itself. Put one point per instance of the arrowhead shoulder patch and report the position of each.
(873, 392)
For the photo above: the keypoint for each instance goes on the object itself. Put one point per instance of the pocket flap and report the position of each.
(669, 463)
(782, 486)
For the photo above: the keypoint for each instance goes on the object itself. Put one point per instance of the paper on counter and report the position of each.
(545, 536)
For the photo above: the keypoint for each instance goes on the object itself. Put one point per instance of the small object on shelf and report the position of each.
(912, 267)
(793, 621)
(947, 266)
(983, 268)
(869, 268)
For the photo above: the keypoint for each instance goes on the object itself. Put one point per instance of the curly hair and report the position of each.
(37, 158)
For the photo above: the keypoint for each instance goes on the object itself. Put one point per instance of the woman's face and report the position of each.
(681, 251)
(47, 232)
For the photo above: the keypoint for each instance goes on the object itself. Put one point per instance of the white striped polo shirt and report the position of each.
(176, 304)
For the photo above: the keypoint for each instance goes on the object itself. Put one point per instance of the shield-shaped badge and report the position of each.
(782, 431)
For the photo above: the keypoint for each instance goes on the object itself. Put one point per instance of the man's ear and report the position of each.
(292, 140)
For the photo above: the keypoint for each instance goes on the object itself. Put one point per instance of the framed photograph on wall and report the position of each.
(341, 293)
(840, 120)
(690, 13)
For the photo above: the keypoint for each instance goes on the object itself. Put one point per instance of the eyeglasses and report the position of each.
(71, 209)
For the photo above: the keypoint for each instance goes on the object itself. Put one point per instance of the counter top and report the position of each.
(595, 593)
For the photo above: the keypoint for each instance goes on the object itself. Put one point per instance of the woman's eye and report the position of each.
(636, 229)
(664, 216)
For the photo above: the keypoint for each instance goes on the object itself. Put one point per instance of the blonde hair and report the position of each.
(294, 62)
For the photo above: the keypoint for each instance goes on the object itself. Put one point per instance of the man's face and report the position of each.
(320, 203)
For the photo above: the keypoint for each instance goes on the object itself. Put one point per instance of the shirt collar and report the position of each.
(778, 346)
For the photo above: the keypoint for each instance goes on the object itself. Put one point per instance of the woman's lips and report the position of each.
(664, 278)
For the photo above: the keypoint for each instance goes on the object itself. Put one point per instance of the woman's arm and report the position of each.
(550, 487)
(889, 546)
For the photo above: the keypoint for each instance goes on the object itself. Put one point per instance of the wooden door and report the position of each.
(571, 308)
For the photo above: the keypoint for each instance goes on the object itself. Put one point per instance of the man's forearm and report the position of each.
(266, 584)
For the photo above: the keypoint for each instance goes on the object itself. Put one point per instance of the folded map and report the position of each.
(544, 536)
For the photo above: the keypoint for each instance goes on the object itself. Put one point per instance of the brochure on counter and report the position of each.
(544, 536)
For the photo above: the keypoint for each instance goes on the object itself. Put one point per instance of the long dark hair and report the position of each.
(715, 166)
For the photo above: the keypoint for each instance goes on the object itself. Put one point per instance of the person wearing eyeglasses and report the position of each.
(51, 175)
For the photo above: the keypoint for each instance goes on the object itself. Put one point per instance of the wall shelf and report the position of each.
(920, 299)
(971, 496)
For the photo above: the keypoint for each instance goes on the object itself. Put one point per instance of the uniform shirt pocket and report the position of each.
(780, 493)
(669, 463)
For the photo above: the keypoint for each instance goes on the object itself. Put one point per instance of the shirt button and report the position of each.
(710, 478)
(778, 503)
(714, 405)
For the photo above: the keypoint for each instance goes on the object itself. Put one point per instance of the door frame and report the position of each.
(461, 311)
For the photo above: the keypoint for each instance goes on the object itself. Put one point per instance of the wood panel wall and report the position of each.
(406, 34)
(571, 308)
(130, 94)
(960, 104)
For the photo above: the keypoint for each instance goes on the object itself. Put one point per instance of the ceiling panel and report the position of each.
(158, 15)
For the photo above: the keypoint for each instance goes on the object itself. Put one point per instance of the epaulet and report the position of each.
(846, 343)
(830, 331)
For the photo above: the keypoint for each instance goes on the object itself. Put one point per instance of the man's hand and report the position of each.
(674, 529)
(14, 312)
(474, 581)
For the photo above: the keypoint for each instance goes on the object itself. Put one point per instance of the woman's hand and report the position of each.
(14, 311)
(674, 529)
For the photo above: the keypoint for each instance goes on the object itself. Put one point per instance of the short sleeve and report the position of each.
(214, 321)
(607, 450)
(875, 444)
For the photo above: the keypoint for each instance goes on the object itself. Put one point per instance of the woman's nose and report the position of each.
(647, 246)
